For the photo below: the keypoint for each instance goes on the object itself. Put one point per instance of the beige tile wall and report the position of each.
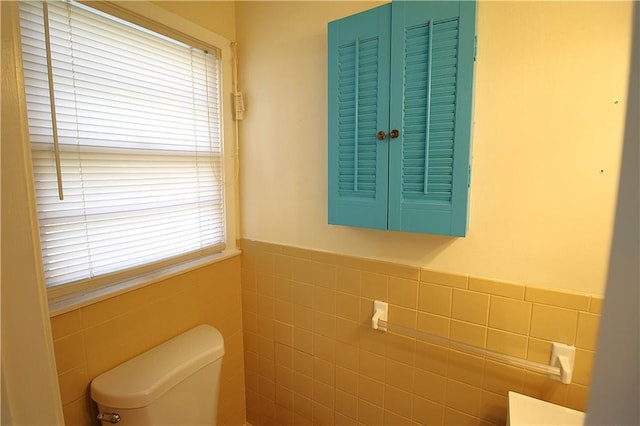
(311, 357)
(93, 339)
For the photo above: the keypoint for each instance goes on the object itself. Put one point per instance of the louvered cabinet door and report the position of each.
(432, 54)
(358, 108)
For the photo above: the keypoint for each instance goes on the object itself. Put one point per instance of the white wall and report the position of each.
(550, 100)
(615, 390)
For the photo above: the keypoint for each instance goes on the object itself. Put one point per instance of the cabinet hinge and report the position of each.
(469, 177)
(475, 47)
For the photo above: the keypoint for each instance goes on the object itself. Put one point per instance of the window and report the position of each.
(126, 138)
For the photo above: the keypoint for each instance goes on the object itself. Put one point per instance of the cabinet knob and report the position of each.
(394, 133)
(381, 135)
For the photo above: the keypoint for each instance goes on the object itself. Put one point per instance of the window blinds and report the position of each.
(139, 132)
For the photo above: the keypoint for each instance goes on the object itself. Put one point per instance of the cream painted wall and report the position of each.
(550, 99)
(216, 16)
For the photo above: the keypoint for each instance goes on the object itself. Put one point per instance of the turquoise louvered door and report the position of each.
(358, 109)
(432, 54)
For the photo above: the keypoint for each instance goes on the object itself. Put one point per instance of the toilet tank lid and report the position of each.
(141, 380)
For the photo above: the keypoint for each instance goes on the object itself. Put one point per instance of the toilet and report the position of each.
(175, 383)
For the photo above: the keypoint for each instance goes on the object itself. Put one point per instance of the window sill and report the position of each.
(64, 304)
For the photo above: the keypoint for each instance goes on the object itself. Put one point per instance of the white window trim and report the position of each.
(63, 300)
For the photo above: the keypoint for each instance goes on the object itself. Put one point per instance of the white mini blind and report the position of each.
(139, 133)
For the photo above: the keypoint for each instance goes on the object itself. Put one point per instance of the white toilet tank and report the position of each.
(175, 383)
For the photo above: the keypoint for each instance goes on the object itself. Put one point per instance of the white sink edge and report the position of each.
(527, 411)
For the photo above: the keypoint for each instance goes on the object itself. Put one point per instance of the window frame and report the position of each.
(64, 298)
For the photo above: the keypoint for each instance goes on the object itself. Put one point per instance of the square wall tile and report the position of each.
(100, 312)
(283, 355)
(588, 327)
(346, 404)
(284, 289)
(430, 386)
(283, 377)
(303, 340)
(400, 348)
(435, 299)
(509, 315)
(324, 394)
(403, 292)
(283, 266)
(303, 363)
(325, 275)
(397, 401)
(303, 294)
(284, 397)
(465, 368)
(283, 311)
(73, 384)
(554, 324)
(538, 350)
(66, 324)
(303, 386)
(347, 306)
(427, 412)
(507, 343)
(347, 332)
(371, 390)
(303, 271)
(283, 333)
(500, 378)
(374, 286)
(372, 365)
(470, 306)
(348, 281)
(346, 380)
(433, 324)
(302, 406)
(266, 284)
(583, 367)
(596, 305)
(324, 348)
(399, 374)
(392, 419)
(402, 316)
(370, 414)
(324, 371)
(324, 300)
(432, 358)
(463, 397)
(471, 334)
(323, 415)
(248, 280)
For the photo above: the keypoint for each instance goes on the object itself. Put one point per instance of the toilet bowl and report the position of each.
(175, 383)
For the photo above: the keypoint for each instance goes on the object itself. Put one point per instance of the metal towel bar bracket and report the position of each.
(561, 362)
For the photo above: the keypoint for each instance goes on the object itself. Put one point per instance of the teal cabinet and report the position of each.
(400, 105)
